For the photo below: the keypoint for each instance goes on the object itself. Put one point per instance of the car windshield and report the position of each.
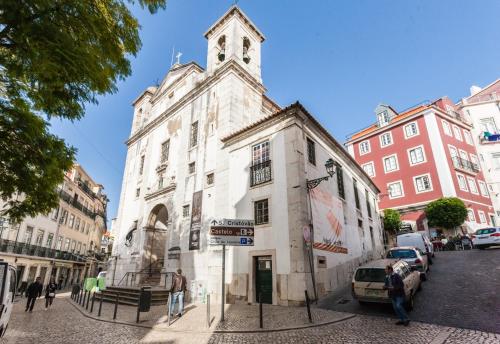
(485, 231)
(370, 275)
(401, 254)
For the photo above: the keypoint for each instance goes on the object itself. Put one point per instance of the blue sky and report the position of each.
(338, 58)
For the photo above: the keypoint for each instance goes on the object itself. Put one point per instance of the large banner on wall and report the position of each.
(328, 221)
(194, 232)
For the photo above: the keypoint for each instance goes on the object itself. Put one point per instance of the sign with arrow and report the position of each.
(232, 232)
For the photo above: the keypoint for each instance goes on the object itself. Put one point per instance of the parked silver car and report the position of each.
(413, 256)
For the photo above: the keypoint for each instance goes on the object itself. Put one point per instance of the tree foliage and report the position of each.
(392, 220)
(55, 56)
(448, 212)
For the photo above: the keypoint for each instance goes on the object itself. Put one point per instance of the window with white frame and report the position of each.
(260, 153)
(483, 188)
(369, 169)
(468, 137)
(423, 183)
(463, 155)
(446, 127)
(453, 151)
(474, 160)
(416, 155)
(364, 147)
(470, 215)
(411, 129)
(456, 131)
(383, 118)
(462, 183)
(391, 163)
(395, 189)
(385, 139)
(472, 185)
(482, 217)
(495, 160)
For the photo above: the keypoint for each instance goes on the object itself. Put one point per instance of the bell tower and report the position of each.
(234, 38)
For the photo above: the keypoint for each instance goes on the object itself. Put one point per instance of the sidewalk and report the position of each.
(239, 318)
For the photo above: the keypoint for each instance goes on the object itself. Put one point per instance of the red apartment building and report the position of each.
(420, 155)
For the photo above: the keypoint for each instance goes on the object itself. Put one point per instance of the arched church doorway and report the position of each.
(156, 240)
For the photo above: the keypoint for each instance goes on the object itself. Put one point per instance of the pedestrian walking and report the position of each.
(178, 288)
(50, 293)
(34, 290)
(395, 285)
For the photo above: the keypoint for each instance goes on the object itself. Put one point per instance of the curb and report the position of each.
(347, 317)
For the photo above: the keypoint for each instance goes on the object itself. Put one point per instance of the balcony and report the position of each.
(66, 197)
(487, 137)
(9, 246)
(260, 173)
(465, 165)
(85, 188)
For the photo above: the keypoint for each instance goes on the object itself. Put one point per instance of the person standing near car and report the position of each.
(395, 285)
(34, 290)
(178, 288)
(50, 293)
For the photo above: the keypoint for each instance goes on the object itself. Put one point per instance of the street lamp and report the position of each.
(330, 169)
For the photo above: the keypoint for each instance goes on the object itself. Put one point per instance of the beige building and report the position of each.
(64, 243)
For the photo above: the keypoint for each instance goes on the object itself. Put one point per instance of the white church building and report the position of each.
(209, 144)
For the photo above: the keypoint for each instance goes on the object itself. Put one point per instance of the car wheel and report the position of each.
(409, 303)
(362, 303)
(481, 247)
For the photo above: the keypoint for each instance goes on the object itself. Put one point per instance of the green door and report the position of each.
(264, 279)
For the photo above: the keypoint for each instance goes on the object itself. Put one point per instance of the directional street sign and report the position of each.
(232, 232)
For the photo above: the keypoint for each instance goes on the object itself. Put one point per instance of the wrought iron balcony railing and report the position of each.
(9, 246)
(260, 173)
(465, 165)
(66, 197)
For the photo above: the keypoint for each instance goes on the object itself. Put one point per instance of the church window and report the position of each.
(246, 48)
(221, 45)
(165, 147)
(185, 211)
(141, 166)
(194, 134)
(311, 151)
(191, 167)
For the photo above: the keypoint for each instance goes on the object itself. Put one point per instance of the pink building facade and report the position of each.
(420, 155)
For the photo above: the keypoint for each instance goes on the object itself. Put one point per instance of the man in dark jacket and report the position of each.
(177, 290)
(395, 285)
(34, 290)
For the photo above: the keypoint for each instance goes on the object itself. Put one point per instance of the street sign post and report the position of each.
(232, 232)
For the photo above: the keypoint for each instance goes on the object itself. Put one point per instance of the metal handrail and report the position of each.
(130, 278)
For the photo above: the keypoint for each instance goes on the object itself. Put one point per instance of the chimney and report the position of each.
(474, 90)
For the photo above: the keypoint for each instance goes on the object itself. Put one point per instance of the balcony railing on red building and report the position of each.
(465, 165)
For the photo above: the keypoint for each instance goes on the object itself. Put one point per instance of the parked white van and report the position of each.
(417, 240)
(7, 291)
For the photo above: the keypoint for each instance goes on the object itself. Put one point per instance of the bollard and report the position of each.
(138, 311)
(261, 320)
(208, 310)
(168, 305)
(308, 307)
(92, 305)
(88, 299)
(84, 298)
(81, 297)
(78, 296)
(100, 307)
(116, 306)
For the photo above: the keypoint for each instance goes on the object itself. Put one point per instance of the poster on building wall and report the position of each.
(328, 221)
(194, 232)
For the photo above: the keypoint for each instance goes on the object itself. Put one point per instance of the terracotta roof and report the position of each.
(398, 118)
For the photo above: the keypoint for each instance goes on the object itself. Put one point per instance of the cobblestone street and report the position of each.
(65, 323)
(461, 291)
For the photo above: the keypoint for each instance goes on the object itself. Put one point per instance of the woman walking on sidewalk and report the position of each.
(50, 293)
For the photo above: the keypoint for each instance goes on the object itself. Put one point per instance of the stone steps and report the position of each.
(130, 295)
